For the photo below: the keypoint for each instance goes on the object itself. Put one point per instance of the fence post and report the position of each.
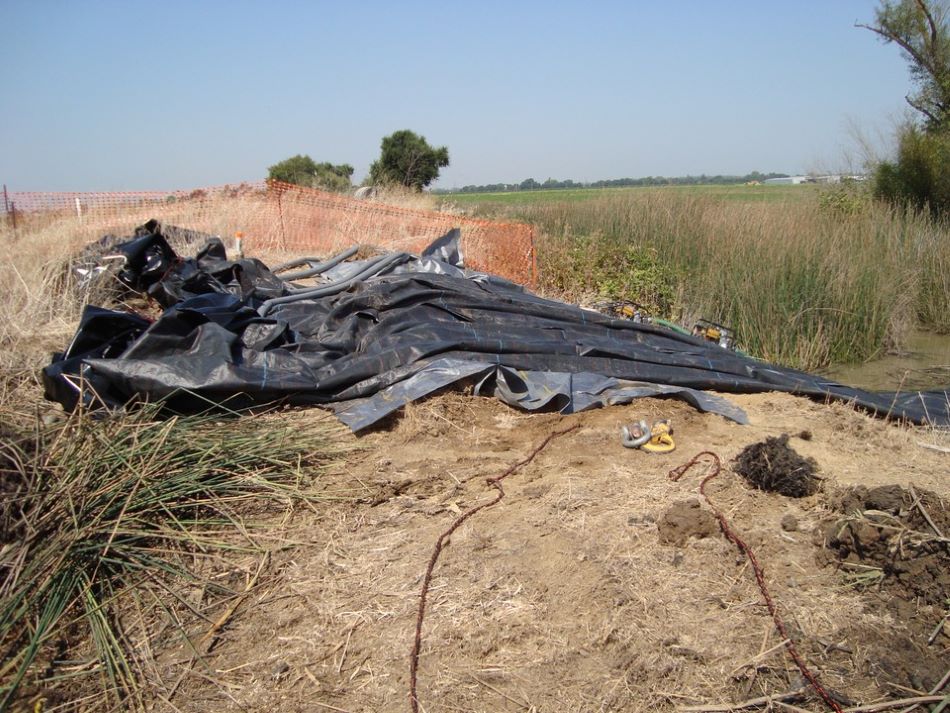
(6, 200)
(78, 209)
(280, 215)
(13, 213)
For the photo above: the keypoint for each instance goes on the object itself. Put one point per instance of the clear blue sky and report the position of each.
(109, 95)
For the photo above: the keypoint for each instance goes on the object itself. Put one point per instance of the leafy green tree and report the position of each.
(920, 29)
(304, 171)
(920, 175)
(407, 159)
(333, 178)
(298, 170)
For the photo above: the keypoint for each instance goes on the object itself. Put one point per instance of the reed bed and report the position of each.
(803, 282)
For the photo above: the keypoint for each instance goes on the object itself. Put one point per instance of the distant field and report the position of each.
(739, 193)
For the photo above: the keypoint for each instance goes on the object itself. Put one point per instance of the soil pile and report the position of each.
(774, 466)
(685, 519)
(885, 541)
(893, 537)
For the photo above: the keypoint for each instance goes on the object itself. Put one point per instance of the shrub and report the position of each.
(920, 175)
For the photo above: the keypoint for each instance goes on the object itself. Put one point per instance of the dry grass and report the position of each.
(406, 198)
(104, 514)
(40, 306)
(560, 597)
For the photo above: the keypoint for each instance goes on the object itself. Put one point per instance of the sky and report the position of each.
(134, 95)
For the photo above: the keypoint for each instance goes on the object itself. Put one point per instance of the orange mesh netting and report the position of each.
(279, 217)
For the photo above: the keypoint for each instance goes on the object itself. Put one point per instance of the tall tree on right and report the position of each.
(919, 28)
(407, 159)
(920, 175)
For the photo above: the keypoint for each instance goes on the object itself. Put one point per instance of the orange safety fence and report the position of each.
(281, 218)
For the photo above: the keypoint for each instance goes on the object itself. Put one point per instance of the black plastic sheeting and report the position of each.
(228, 337)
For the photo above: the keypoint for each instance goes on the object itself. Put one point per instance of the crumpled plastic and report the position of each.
(424, 324)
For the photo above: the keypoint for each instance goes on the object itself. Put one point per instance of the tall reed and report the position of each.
(803, 285)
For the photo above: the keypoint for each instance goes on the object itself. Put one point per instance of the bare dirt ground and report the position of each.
(575, 593)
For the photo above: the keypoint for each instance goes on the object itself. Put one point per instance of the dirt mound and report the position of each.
(893, 537)
(685, 519)
(774, 466)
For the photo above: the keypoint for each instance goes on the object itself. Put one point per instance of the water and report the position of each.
(925, 365)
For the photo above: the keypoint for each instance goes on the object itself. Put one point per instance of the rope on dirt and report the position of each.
(441, 543)
(716, 465)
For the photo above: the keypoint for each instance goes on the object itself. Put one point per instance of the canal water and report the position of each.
(923, 366)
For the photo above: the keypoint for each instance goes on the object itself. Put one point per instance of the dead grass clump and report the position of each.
(404, 197)
(124, 508)
(774, 466)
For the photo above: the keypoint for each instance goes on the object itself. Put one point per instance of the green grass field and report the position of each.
(731, 193)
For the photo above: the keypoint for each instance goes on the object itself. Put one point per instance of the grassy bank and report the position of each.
(809, 281)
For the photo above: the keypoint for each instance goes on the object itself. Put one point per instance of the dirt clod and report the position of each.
(789, 523)
(887, 498)
(774, 466)
(885, 541)
(685, 519)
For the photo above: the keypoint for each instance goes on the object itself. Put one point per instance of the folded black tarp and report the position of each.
(234, 334)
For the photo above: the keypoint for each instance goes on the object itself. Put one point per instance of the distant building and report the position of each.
(786, 181)
(836, 178)
(797, 180)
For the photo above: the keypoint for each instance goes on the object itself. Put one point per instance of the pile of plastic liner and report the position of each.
(364, 337)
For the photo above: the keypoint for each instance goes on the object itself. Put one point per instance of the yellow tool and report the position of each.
(713, 332)
(661, 439)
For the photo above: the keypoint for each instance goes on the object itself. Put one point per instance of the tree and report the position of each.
(298, 170)
(920, 29)
(920, 175)
(304, 171)
(333, 178)
(407, 159)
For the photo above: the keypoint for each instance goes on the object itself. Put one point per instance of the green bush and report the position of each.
(845, 199)
(920, 176)
(304, 171)
(635, 274)
(605, 268)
